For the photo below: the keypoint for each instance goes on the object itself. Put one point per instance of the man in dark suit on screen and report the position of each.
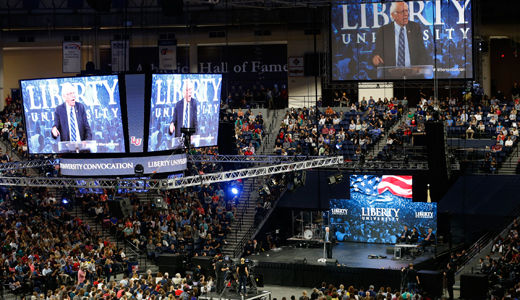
(70, 118)
(400, 43)
(185, 114)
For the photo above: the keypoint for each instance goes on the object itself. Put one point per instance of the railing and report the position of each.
(129, 248)
(245, 207)
(253, 229)
(484, 241)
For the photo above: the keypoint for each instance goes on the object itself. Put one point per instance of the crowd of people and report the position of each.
(310, 131)
(44, 247)
(502, 265)
(344, 292)
(495, 121)
(191, 221)
(248, 129)
(11, 126)
(275, 96)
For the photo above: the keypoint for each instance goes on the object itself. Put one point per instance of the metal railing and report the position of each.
(254, 228)
(245, 207)
(128, 247)
(484, 241)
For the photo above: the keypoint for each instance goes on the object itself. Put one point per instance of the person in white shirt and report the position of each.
(509, 142)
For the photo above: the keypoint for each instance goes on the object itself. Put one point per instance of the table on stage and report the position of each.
(413, 248)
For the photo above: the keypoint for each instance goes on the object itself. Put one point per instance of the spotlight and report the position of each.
(234, 191)
(64, 201)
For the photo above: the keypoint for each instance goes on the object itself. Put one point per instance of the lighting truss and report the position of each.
(16, 165)
(271, 159)
(253, 172)
(166, 184)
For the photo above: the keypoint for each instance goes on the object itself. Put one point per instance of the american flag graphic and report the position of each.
(398, 185)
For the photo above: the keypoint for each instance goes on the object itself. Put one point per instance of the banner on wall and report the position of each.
(122, 166)
(167, 54)
(71, 57)
(296, 66)
(120, 56)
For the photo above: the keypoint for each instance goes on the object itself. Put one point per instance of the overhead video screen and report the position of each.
(71, 115)
(401, 40)
(184, 101)
(378, 208)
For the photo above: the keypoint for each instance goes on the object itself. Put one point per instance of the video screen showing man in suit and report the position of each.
(184, 101)
(70, 118)
(400, 43)
(73, 114)
(185, 114)
(391, 40)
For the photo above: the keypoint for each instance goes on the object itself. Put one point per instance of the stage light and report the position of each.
(234, 191)
(64, 201)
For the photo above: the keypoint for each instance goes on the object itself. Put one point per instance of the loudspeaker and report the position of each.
(473, 286)
(171, 263)
(312, 64)
(226, 138)
(331, 262)
(437, 161)
(172, 8)
(431, 283)
(205, 262)
(100, 5)
(300, 260)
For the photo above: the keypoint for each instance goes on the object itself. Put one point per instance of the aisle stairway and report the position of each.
(245, 215)
(131, 252)
(275, 117)
(508, 167)
(382, 142)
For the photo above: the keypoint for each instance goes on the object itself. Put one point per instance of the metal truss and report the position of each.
(271, 159)
(253, 172)
(266, 159)
(16, 165)
(384, 166)
(87, 183)
(164, 184)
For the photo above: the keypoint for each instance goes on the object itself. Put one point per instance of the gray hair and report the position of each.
(393, 7)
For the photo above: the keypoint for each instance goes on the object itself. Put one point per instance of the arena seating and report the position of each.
(350, 133)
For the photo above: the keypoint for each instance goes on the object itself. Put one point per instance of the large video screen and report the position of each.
(401, 40)
(77, 114)
(184, 101)
(378, 208)
(135, 91)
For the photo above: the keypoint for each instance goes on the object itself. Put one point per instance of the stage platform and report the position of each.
(346, 253)
(351, 265)
(231, 295)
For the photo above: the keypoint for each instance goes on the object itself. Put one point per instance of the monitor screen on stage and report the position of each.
(390, 40)
(378, 208)
(71, 115)
(184, 101)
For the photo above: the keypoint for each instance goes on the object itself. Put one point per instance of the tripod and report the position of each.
(229, 278)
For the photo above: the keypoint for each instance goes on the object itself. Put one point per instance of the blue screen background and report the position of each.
(353, 61)
(353, 227)
(104, 117)
(161, 108)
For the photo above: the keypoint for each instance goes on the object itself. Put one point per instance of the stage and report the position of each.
(350, 265)
(232, 295)
(347, 254)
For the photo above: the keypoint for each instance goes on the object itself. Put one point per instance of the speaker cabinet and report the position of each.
(474, 286)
